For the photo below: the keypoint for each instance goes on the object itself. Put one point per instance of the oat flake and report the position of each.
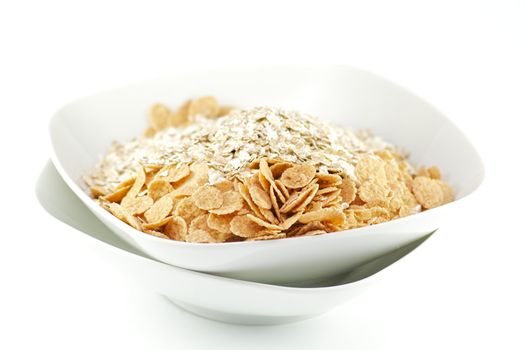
(228, 144)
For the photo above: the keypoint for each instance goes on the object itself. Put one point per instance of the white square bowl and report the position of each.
(83, 130)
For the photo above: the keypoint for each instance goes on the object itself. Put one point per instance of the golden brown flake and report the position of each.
(224, 110)
(299, 199)
(123, 215)
(278, 169)
(314, 233)
(269, 216)
(326, 190)
(199, 223)
(207, 197)
(149, 132)
(200, 236)
(274, 204)
(157, 224)
(159, 188)
(97, 191)
(405, 211)
(220, 222)
(232, 201)
(220, 236)
(224, 186)
(328, 180)
(331, 198)
(242, 226)
(370, 168)
(176, 229)
(159, 210)
(118, 195)
(448, 193)
(298, 176)
(364, 214)
(428, 192)
(175, 173)
(138, 205)
(206, 106)
(264, 223)
(349, 190)
(434, 172)
(244, 192)
(311, 226)
(179, 118)
(198, 177)
(137, 186)
(260, 197)
(332, 215)
(187, 210)
(371, 191)
(159, 116)
(126, 183)
(266, 185)
(290, 221)
(306, 198)
(283, 189)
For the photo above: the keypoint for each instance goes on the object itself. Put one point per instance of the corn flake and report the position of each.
(298, 176)
(428, 192)
(263, 223)
(123, 215)
(159, 116)
(138, 205)
(187, 210)
(199, 236)
(206, 106)
(243, 226)
(118, 195)
(159, 188)
(208, 197)
(157, 224)
(328, 180)
(137, 186)
(371, 191)
(260, 197)
(232, 201)
(278, 169)
(299, 199)
(159, 210)
(176, 228)
(220, 222)
(285, 192)
(332, 215)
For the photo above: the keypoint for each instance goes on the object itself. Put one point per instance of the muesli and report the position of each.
(207, 173)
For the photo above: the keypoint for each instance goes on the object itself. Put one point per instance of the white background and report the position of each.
(464, 288)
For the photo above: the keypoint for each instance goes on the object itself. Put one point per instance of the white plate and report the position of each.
(84, 129)
(233, 301)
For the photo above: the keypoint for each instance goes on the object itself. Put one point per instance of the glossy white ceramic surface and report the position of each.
(84, 129)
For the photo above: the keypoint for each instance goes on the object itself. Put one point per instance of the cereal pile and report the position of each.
(206, 173)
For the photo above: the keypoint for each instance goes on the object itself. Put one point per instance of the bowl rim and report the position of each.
(88, 201)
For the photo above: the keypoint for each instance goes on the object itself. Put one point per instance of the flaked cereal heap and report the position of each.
(240, 178)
